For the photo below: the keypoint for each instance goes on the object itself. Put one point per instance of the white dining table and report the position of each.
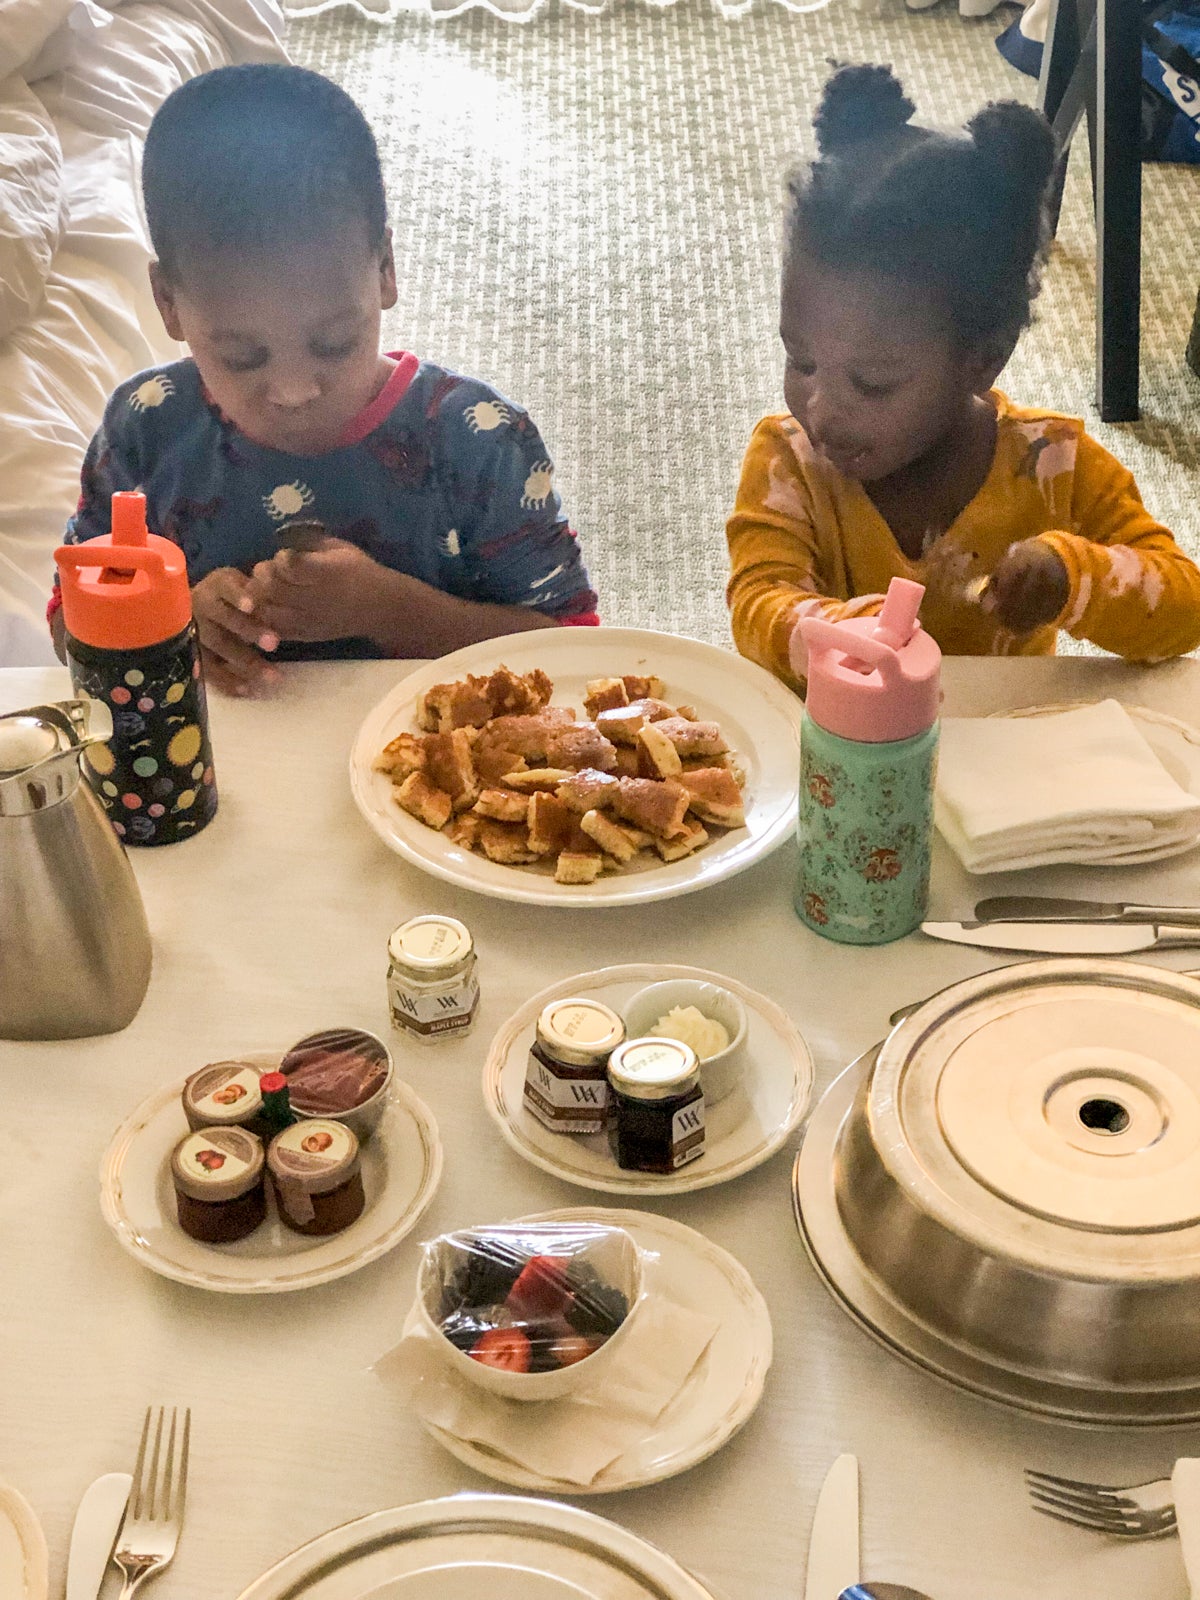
(274, 922)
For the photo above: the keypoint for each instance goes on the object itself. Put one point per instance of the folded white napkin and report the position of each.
(1080, 785)
(573, 1439)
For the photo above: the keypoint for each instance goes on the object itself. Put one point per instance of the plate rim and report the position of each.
(615, 890)
(1005, 1388)
(688, 1179)
(335, 1544)
(31, 1536)
(403, 1099)
(730, 1425)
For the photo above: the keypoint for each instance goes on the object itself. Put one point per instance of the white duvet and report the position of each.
(79, 83)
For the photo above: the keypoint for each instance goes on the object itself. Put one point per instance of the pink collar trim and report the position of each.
(393, 391)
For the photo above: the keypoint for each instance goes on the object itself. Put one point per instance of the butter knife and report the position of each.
(1039, 908)
(97, 1523)
(1067, 938)
(833, 1544)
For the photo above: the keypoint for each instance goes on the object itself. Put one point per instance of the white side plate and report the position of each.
(759, 718)
(401, 1168)
(493, 1545)
(722, 1392)
(742, 1132)
(24, 1564)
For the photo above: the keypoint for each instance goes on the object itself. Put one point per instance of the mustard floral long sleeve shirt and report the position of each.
(803, 538)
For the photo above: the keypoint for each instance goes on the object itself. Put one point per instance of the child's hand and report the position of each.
(326, 593)
(229, 633)
(1028, 589)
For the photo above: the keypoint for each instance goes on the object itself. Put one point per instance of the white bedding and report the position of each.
(94, 321)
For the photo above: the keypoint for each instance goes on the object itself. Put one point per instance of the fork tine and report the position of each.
(1093, 1516)
(1049, 1480)
(1114, 1532)
(138, 1478)
(155, 1489)
(183, 1463)
(1089, 1502)
(164, 1510)
(176, 1491)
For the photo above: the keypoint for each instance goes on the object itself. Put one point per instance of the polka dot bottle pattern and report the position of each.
(155, 776)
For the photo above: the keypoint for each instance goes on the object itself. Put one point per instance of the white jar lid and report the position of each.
(430, 943)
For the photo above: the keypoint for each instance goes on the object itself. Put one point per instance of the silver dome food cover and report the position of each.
(1010, 1193)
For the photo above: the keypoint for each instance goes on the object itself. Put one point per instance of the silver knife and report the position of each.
(1066, 938)
(94, 1534)
(1038, 908)
(833, 1543)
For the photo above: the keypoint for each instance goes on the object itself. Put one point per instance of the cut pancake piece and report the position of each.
(657, 756)
(405, 754)
(693, 738)
(449, 765)
(502, 805)
(604, 694)
(622, 725)
(643, 688)
(506, 842)
(715, 796)
(553, 826)
(588, 790)
(579, 746)
(578, 866)
(659, 808)
(536, 778)
(514, 693)
(463, 704)
(612, 838)
(464, 831)
(421, 799)
(676, 849)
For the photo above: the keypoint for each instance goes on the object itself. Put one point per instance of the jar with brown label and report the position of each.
(220, 1193)
(433, 990)
(657, 1114)
(223, 1095)
(316, 1175)
(566, 1081)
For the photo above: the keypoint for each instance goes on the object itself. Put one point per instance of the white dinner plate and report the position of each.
(1175, 743)
(743, 1130)
(759, 718)
(401, 1168)
(490, 1546)
(24, 1561)
(720, 1395)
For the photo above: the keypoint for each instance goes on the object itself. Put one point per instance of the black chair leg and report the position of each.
(1118, 207)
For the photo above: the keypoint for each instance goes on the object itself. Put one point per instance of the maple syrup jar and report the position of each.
(657, 1113)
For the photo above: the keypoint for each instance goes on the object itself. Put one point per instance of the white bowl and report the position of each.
(615, 1257)
(719, 1074)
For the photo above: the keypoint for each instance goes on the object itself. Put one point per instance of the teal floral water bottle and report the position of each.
(867, 755)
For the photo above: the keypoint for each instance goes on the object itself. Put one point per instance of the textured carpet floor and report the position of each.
(587, 214)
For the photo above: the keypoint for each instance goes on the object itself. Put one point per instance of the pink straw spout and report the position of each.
(897, 621)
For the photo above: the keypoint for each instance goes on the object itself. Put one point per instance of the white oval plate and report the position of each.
(1175, 743)
(759, 718)
(401, 1168)
(494, 1545)
(743, 1130)
(715, 1402)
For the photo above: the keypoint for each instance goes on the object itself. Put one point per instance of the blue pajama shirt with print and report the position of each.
(450, 483)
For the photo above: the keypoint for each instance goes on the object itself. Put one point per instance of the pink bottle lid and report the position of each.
(874, 679)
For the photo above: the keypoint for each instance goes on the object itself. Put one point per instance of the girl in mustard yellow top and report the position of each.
(910, 265)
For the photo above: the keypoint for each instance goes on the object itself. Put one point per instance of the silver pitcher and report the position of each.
(74, 945)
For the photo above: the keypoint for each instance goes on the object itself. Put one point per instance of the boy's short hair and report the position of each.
(255, 158)
(962, 214)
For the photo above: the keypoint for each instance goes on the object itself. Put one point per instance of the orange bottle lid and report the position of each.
(128, 588)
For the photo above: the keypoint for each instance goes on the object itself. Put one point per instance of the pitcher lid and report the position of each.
(39, 746)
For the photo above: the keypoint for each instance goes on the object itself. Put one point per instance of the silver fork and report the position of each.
(1132, 1511)
(150, 1532)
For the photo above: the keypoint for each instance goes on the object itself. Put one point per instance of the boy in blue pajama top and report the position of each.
(330, 500)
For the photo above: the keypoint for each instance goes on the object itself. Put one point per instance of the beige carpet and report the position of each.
(587, 215)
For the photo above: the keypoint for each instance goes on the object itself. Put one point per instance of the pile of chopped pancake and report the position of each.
(502, 771)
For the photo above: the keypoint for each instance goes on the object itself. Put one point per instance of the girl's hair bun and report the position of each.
(1018, 142)
(860, 103)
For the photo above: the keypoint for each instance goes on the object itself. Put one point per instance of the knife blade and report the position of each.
(1066, 938)
(1040, 908)
(94, 1534)
(833, 1543)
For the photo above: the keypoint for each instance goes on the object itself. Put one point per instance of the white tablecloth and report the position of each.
(273, 922)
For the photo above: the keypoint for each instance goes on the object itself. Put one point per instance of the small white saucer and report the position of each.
(24, 1562)
(723, 1390)
(401, 1168)
(743, 1130)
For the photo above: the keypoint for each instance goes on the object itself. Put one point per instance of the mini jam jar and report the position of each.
(433, 991)
(317, 1176)
(223, 1095)
(657, 1105)
(220, 1193)
(566, 1081)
